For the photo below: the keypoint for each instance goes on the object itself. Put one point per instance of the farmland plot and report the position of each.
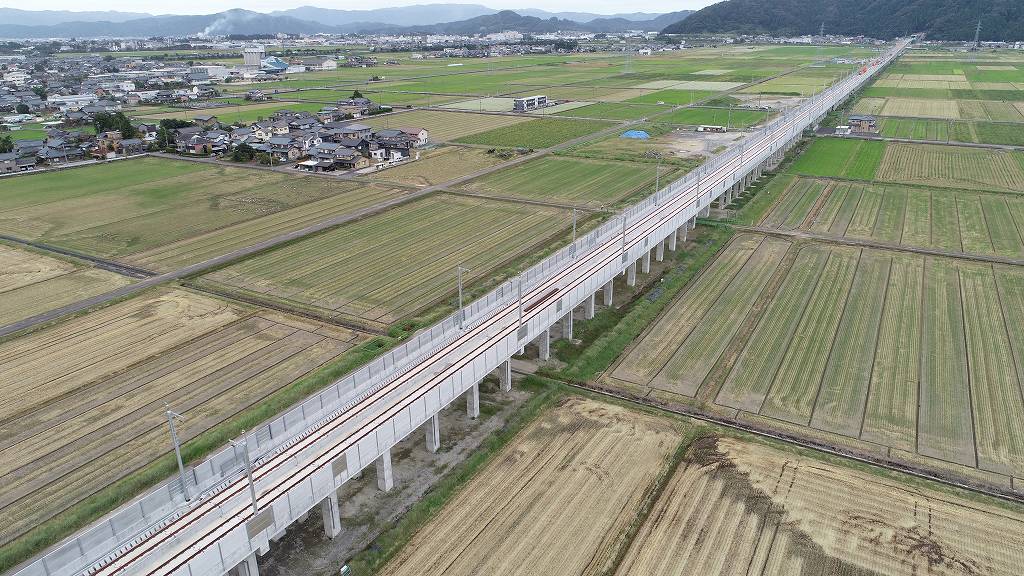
(879, 349)
(398, 262)
(84, 399)
(953, 167)
(955, 220)
(538, 133)
(570, 180)
(156, 202)
(32, 283)
(438, 166)
(841, 158)
(445, 126)
(573, 481)
(784, 513)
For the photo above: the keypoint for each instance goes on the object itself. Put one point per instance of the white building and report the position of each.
(216, 72)
(17, 77)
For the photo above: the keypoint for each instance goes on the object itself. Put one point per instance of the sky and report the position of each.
(212, 6)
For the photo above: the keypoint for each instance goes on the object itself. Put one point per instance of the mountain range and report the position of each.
(309, 20)
(1001, 20)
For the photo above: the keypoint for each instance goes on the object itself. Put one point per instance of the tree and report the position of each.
(357, 94)
(107, 121)
(243, 153)
(6, 145)
(165, 135)
(21, 108)
(40, 91)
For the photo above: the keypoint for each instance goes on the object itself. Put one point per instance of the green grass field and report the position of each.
(539, 133)
(386, 267)
(243, 114)
(569, 180)
(862, 348)
(858, 159)
(445, 126)
(735, 118)
(136, 209)
(615, 111)
(678, 97)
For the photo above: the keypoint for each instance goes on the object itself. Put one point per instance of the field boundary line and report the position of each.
(947, 142)
(865, 243)
(102, 263)
(518, 200)
(967, 360)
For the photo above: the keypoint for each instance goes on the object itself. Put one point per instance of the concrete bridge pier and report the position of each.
(659, 251)
(588, 307)
(247, 567)
(685, 228)
(646, 263)
(473, 401)
(544, 345)
(692, 223)
(331, 513)
(723, 200)
(704, 212)
(607, 292)
(505, 376)
(433, 433)
(385, 477)
(631, 274)
(567, 326)
(673, 239)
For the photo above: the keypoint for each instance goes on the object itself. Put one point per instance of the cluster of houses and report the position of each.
(322, 141)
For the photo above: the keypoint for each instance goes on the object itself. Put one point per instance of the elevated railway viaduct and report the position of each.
(221, 514)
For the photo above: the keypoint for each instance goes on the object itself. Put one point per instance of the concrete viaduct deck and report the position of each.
(215, 520)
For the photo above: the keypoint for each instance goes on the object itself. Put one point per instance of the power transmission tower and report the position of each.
(628, 67)
(820, 58)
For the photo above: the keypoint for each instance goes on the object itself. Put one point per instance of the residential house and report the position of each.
(420, 135)
(8, 163)
(285, 148)
(205, 120)
(147, 131)
(132, 146)
(320, 63)
(108, 142)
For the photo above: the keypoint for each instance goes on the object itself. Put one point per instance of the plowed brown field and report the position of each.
(556, 501)
(742, 508)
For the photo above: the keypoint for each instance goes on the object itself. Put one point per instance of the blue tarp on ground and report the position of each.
(636, 134)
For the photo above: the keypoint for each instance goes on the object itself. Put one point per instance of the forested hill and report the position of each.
(940, 19)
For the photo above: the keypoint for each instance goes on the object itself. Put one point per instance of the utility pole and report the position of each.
(244, 444)
(574, 227)
(177, 449)
(459, 270)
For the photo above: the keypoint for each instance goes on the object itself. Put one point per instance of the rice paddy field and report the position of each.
(559, 499)
(731, 118)
(84, 399)
(951, 167)
(937, 218)
(445, 126)
(161, 213)
(32, 282)
(559, 179)
(783, 512)
(896, 355)
(615, 111)
(242, 114)
(380, 269)
(841, 158)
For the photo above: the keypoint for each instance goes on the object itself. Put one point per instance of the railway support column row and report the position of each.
(588, 307)
(659, 251)
(631, 274)
(567, 326)
(673, 239)
(607, 292)
(705, 212)
(331, 513)
(646, 260)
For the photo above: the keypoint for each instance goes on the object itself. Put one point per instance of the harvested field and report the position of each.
(921, 108)
(445, 126)
(589, 183)
(615, 111)
(238, 114)
(872, 349)
(85, 398)
(557, 500)
(156, 203)
(539, 133)
(32, 283)
(944, 219)
(952, 167)
(918, 129)
(482, 105)
(396, 263)
(740, 508)
(438, 166)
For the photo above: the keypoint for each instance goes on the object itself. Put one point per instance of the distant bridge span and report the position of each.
(302, 457)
